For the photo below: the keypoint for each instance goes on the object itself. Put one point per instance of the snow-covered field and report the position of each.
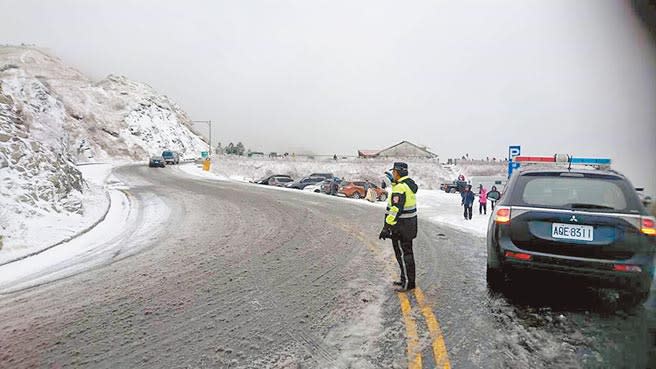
(428, 173)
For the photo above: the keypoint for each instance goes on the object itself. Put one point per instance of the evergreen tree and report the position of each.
(239, 149)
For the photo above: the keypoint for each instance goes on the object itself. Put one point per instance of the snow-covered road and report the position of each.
(244, 276)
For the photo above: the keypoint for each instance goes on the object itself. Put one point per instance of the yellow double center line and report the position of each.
(438, 344)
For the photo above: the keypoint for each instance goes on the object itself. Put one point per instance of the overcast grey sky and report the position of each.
(336, 76)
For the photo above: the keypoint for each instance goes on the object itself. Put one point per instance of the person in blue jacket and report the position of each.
(468, 201)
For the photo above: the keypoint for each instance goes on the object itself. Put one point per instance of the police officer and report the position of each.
(401, 223)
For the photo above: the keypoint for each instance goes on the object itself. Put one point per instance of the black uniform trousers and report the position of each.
(406, 259)
(403, 233)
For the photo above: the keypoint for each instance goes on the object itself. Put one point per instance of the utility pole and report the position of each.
(209, 123)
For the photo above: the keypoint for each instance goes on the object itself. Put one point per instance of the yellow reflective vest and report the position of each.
(402, 202)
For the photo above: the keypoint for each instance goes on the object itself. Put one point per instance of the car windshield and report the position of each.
(575, 193)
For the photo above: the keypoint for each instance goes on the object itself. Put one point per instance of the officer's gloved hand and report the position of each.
(385, 233)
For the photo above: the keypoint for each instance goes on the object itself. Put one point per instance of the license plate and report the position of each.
(572, 231)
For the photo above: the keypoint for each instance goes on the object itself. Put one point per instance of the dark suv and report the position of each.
(589, 224)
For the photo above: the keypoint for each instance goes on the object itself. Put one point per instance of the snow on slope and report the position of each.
(41, 191)
(114, 118)
(51, 118)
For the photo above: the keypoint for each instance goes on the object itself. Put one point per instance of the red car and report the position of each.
(356, 190)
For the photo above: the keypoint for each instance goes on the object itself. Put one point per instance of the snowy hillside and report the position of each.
(113, 118)
(53, 118)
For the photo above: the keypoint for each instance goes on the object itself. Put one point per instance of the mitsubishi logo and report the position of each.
(573, 219)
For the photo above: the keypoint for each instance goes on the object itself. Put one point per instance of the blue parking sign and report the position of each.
(513, 152)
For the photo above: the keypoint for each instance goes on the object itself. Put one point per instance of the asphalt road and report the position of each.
(241, 276)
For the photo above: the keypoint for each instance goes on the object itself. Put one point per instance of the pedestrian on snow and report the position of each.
(401, 223)
(468, 201)
(493, 196)
(334, 186)
(482, 200)
(335, 157)
(369, 193)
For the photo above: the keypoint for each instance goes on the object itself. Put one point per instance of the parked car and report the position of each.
(305, 181)
(588, 225)
(171, 157)
(157, 161)
(453, 187)
(330, 186)
(356, 190)
(313, 188)
(279, 178)
(280, 181)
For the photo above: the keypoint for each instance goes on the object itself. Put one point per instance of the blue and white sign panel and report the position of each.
(513, 152)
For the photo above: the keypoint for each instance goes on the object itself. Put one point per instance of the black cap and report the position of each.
(400, 166)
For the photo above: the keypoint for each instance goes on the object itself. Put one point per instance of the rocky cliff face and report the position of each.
(34, 178)
(52, 117)
(112, 119)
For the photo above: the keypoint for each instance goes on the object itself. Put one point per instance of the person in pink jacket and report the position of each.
(482, 200)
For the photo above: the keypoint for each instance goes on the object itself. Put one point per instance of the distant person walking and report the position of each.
(334, 186)
(493, 196)
(468, 201)
(482, 200)
(369, 193)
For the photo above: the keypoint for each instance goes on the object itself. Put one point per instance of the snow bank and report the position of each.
(445, 209)
(29, 229)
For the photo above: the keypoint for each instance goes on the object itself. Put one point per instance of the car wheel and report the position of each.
(383, 197)
(496, 279)
(317, 191)
(356, 195)
(633, 298)
(453, 190)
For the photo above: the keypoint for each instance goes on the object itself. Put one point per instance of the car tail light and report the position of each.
(648, 226)
(502, 215)
(626, 268)
(518, 256)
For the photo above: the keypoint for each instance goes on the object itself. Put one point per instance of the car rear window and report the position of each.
(565, 192)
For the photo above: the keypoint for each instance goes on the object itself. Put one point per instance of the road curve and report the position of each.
(241, 276)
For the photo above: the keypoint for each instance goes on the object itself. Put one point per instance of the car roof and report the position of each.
(556, 171)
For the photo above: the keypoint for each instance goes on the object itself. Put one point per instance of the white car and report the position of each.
(313, 188)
